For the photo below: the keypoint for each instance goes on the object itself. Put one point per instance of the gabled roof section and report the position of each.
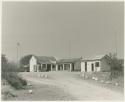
(72, 60)
(45, 59)
(97, 57)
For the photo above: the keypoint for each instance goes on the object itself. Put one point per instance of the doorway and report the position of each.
(48, 67)
(92, 67)
(72, 66)
(85, 66)
(60, 67)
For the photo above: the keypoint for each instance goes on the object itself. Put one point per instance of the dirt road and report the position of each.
(71, 84)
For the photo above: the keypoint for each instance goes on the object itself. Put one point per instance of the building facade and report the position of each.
(96, 64)
(73, 64)
(42, 63)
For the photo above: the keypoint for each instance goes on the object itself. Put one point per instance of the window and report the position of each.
(96, 64)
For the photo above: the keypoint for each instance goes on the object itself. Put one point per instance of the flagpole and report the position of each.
(116, 43)
(17, 53)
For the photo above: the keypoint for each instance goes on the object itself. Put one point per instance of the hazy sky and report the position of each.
(62, 29)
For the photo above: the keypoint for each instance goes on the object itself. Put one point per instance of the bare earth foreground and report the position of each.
(63, 86)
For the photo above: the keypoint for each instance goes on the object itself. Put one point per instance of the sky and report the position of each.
(62, 29)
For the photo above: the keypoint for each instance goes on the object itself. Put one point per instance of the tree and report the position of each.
(8, 66)
(116, 65)
(24, 61)
(4, 63)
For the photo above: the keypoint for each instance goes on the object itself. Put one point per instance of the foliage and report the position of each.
(25, 60)
(10, 74)
(116, 65)
(14, 80)
(4, 63)
(8, 66)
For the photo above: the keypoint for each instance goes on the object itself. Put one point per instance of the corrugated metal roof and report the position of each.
(97, 57)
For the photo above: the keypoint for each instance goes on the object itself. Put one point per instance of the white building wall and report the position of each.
(33, 62)
(89, 66)
(70, 67)
(82, 66)
(56, 67)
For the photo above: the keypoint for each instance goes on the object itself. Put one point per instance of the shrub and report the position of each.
(14, 80)
(23, 81)
(10, 74)
(117, 66)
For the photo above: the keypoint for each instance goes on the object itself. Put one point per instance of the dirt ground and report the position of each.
(63, 86)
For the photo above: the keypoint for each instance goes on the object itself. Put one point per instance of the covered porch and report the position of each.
(44, 67)
(65, 66)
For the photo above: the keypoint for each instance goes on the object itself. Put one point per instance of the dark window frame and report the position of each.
(97, 64)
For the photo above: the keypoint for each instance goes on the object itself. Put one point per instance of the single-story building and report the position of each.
(42, 63)
(93, 64)
(73, 64)
(96, 64)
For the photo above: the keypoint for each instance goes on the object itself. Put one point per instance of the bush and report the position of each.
(10, 74)
(23, 81)
(117, 66)
(14, 80)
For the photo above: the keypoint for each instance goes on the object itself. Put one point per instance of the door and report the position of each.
(48, 67)
(85, 66)
(72, 66)
(92, 67)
